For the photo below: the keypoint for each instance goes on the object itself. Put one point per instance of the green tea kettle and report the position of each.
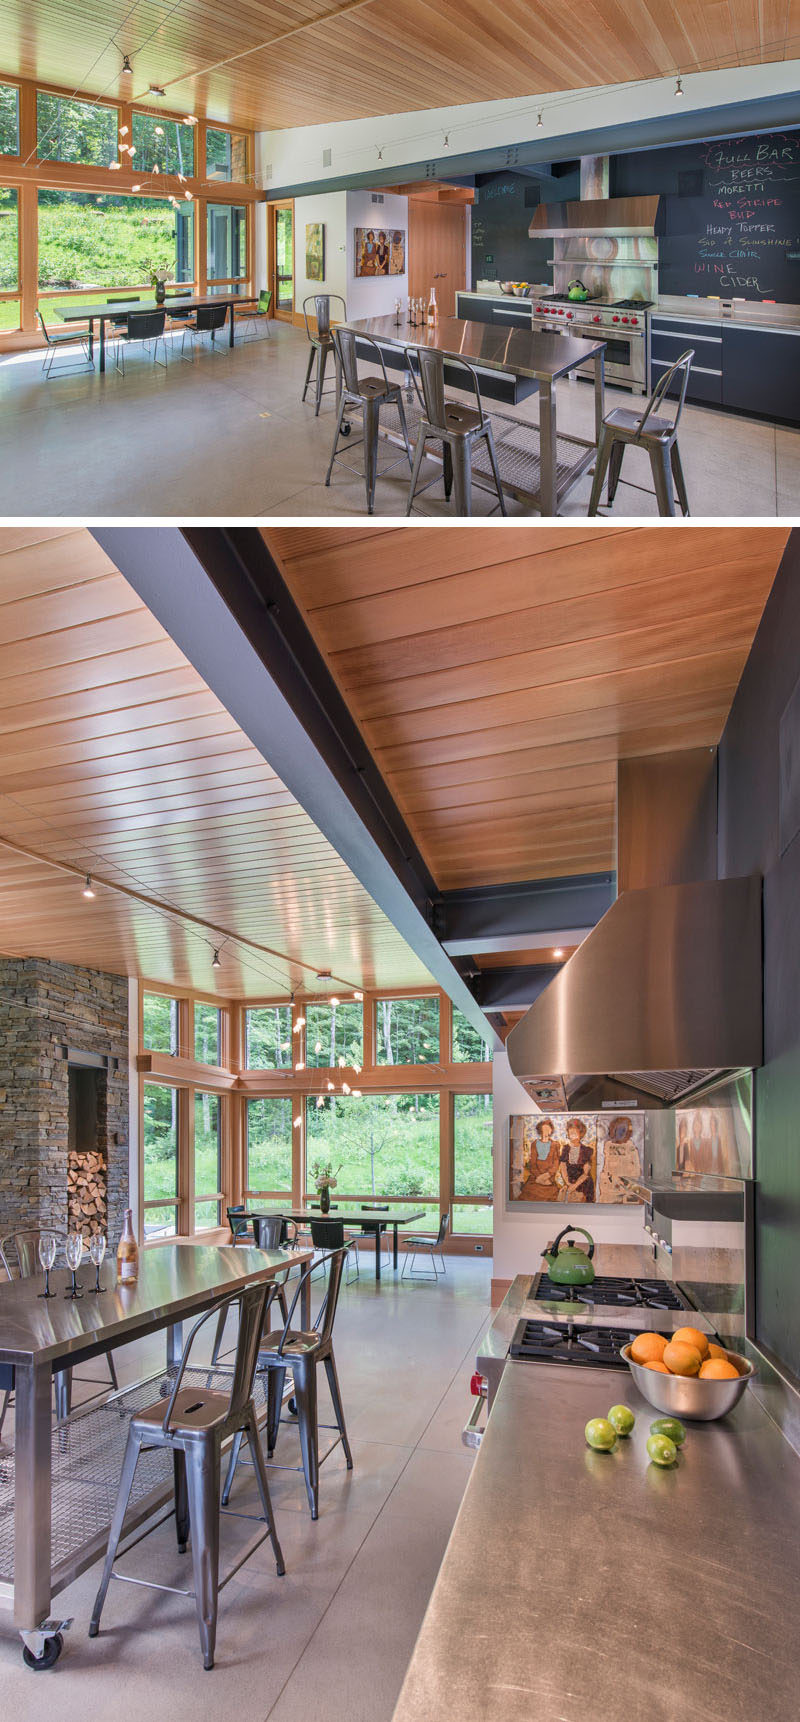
(577, 291)
(570, 1266)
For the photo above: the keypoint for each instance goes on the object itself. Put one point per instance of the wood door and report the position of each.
(281, 258)
(437, 254)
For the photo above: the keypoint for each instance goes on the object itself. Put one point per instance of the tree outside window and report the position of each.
(407, 1031)
(9, 119)
(69, 130)
(160, 1159)
(469, 1047)
(159, 1023)
(268, 1038)
(384, 1144)
(334, 1032)
(269, 1145)
(206, 1033)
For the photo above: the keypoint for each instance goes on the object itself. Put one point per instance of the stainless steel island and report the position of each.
(58, 1485)
(581, 1584)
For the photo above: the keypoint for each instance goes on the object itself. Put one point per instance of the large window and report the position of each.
(160, 1160)
(334, 1034)
(268, 1037)
(227, 242)
(207, 1161)
(469, 1047)
(163, 144)
(96, 240)
(67, 130)
(226, 155)
(9, 257)
(9, 119)
(206, 1033)
(269, 1146)
(407, 1031)
(159, 1023)
(472, 1162)
(380, 1145)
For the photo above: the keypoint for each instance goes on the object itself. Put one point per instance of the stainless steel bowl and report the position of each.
(687, 1395)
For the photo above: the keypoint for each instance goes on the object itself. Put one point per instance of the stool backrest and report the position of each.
(327, 1309)
(431, 377)
(210, 317)
(252, 1303)
(322, 311)
(19, 1254)
(145, 325)
(346, 341)
(677, 376)
(269, 1230)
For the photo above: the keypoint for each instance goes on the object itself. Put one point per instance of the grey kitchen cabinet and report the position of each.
(761, 371)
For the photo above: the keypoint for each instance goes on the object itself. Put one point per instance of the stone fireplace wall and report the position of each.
(46, 1008)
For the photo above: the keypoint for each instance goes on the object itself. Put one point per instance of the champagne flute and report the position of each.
(97, 1250)
(48, 1244)
(73, 1251)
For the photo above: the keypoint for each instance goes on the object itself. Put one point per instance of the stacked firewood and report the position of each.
(87, 1202)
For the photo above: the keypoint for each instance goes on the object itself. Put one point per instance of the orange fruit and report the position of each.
(718, 1369)
(660, 1367)
(682, 1359)
(691, 1336)
(717, 1351)
(648, 1348)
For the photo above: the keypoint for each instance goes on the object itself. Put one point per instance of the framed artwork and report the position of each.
(379, 251)
(315, 251)
(568, 1157)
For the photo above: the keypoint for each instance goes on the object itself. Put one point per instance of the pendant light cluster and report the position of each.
(330, 1087)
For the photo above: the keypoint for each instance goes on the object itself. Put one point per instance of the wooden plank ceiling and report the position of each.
(499, 674)
(275, 63)
(117, 759)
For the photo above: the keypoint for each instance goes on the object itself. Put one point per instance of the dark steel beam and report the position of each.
(512, 989)
(500, 917)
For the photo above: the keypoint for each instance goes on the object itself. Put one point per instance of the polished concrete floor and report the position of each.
(329, 1642)
(224, 435)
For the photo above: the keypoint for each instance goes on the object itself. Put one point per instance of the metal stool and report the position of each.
(301, 1352)
(426, 1245)
(658, 436)
(321, 343)
(365, 395)
(193, 1422)
(455, 427)
(268, 1232)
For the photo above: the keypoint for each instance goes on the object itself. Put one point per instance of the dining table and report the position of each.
(372, 1221)
(104, 313)
(58, 1483)
(541, 463)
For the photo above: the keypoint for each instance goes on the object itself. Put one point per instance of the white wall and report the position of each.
(521, 1230)
(260, 277)
(329, 207)
(296, 153)
(371, 295)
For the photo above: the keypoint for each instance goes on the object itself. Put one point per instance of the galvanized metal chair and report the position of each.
(146, 328)
(302, 1352)
(267, 1235)
(426, 1244)
(456, 427)
(624, 428)
(320, 340)
(59, 340)
(192, 1422)
(367, 396)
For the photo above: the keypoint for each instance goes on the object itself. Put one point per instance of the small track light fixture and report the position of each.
(88, 889)
(216, 964)
(679, 89)
(127, 69)
(447, 140)
(540, 121)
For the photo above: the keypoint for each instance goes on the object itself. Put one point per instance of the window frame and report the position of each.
(15, 155)
(231, 132)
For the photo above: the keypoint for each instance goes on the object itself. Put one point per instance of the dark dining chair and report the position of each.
(192, 1423)
(207, 320)
(177, 314)
(64, 340)
(320, 340)
(255, 317)
(426, 1244)
(240, 1224)
(122, 299)
(147, 329)
(655, 432)
(457, 427)
(366, 396)
(302, 1351)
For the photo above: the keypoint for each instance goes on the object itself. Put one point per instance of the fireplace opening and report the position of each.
(87, 1150)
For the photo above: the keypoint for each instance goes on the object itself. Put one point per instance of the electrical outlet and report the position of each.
(479, 1249)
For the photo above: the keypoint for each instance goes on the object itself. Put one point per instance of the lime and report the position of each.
(662, 1451)
(600, 1434)
(671, 1427)
(622, 1419)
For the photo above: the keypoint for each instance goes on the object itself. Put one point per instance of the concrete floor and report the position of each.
(225, 436)
(330, 1642)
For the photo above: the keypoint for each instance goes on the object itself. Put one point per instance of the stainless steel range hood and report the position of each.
(598, 217)
(662, 999)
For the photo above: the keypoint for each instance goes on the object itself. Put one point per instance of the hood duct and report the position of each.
(660, 1001)
(598, 218)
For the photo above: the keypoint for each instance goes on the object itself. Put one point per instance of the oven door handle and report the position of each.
(471, 1435)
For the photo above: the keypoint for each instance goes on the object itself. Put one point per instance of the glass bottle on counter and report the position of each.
(433, 309)
(127, 1252)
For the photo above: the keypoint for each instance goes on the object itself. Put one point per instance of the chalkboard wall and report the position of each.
(732, 214)
(501, 216)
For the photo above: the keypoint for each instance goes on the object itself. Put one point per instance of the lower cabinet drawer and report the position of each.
(704, 385)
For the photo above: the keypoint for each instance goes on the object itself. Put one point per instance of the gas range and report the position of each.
(624, 327)
(608, 1293)
(560, 1342)
(624, 313)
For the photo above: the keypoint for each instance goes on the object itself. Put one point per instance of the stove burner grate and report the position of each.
(559, 1342)
(632, 305)
(610, 1292)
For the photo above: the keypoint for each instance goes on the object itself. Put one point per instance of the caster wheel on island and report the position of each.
(346, 429)
(49, 1657)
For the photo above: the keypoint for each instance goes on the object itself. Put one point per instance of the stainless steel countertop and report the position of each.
(634, 1260)
(579, 1584)
(746, 314)
(485, 345)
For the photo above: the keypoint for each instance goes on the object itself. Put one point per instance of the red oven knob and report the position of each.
(615, 319)
(596, 319)
(478, 1384)
(626, 319)
(634, 321)
(570, 315)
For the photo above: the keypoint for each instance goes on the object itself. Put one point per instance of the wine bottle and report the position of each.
(433, 309)
(127, 1252)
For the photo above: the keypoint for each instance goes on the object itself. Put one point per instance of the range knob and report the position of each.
(634, 321)
(597, 319)
(570, 315)
(615, 319)
(626, 319)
